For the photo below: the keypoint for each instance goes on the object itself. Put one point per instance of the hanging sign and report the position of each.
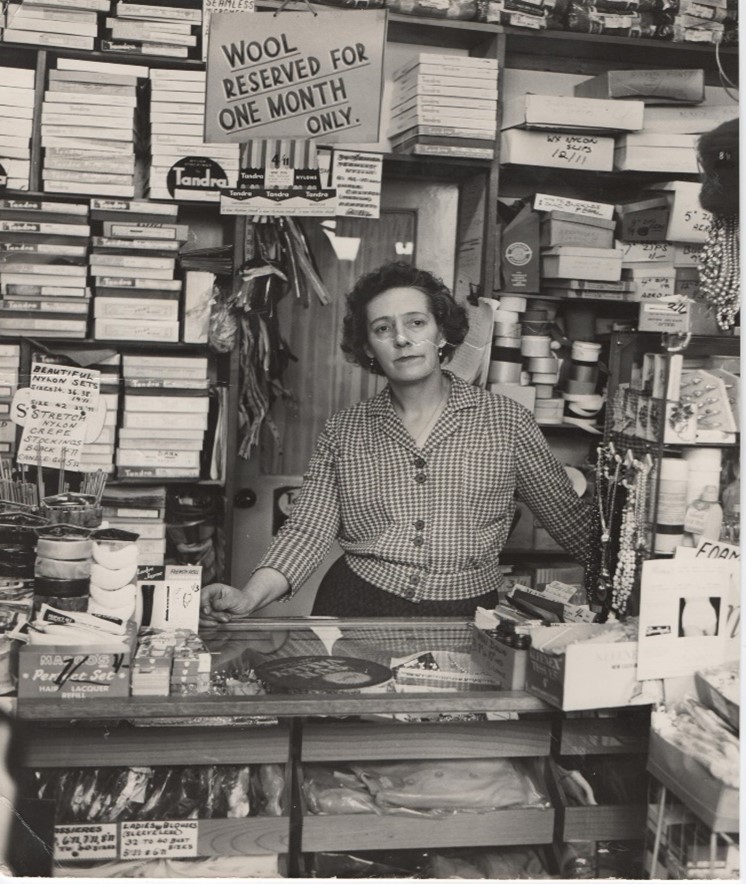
(59, 412)
(356, 176)
(295, 75)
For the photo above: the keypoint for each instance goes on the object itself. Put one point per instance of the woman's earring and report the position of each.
(371, 363)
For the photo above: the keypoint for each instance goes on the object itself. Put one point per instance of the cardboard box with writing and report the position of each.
(69, 672)
(681, 86)
(520, 252)
(567, 229)
(507, 665)
(564, 113)
(594, 153)
(588, 675)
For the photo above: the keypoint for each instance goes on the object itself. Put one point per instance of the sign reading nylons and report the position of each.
(295, 75)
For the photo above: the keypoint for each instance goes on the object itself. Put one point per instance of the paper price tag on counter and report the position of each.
(85, 841)
(159, 839)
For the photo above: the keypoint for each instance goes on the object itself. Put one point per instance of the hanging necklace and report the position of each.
(719, 270)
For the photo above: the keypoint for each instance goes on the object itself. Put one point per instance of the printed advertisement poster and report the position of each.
(684, 615)
(295, 75)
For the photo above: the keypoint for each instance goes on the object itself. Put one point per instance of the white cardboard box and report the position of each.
(570, 114)
(558, 150)
(572, 262)
(589, 675)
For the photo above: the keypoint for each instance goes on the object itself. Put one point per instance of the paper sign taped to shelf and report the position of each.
(295, 75)
(85, 841)
(80, 386)
(717, 549)
(545, 202)
(685, 609)
(666, 315)
(158, 839)
(53, 432)
(356, 175)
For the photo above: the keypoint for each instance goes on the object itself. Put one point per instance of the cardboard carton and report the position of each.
(507, 665)
(567, 229)
(589, 675)
(520, 252)
(565, 262)
(563, 113)
(594, 153)
(681, 86)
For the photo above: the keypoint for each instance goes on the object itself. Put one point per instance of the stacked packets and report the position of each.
(133, 262)
(10, 362)
(166, 406)
(536, 15)
(16, 122)
(170, 662)
(43, 268)
(183, 165)
(153, 29)
(445, 105)
(141, 510)
(702, 22)
(68, 24)
(90, 128)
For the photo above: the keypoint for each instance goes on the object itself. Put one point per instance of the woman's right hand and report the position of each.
(220, 602)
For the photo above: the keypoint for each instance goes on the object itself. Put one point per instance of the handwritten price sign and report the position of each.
(159, 839)
(85, 841)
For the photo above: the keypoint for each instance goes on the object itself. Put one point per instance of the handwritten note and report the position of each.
(79, 386)
(357, 177)
(545, 202)
(159, 839)
(85, 841)
(50, 428)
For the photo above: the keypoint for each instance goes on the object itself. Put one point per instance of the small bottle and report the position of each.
(704, 517)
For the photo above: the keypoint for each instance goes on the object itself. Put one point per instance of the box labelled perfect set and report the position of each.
(69, 672)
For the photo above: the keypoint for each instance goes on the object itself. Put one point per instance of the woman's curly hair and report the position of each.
(450, 316)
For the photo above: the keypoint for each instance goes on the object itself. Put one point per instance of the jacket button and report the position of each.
(420, 462)
(414, 580)
(408, 593)
(418, 540)
(420, 478)
(419, 525)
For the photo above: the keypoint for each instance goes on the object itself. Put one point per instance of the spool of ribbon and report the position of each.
(517, 303)
(536, 345)
(504, 372)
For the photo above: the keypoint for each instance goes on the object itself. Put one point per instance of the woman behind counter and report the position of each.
(417, 483)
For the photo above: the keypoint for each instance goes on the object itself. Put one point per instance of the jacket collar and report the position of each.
(462, 396)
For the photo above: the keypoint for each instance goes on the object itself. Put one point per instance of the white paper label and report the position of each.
(668, 316)
(85, 841)
(545, 202)
(357, 177)
(158, 839)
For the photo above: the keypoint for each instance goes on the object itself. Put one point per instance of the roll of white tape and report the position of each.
(512, 342)
(544, 377)
(536, 345)
(63, 569)
(515, 303)
(504, 372)
(507, 330)
(544, 391)
(55, 548)
(542, 364)
(112, 578)
(508, 317)
(125, 612)
(114, 555)
(114, 598)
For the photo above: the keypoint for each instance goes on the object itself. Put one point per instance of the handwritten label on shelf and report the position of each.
(668, 316)
(545, 202)
(85, 841)
(158, 839)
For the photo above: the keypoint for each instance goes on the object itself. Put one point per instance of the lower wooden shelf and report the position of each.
(366, 831)
(604, 822)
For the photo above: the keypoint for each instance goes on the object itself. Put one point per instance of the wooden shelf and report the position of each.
(408, 166)
(351, 741)
(362, 831)
(133, 746)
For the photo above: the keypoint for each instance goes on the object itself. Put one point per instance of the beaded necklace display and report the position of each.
(719, 270)
(618, 543)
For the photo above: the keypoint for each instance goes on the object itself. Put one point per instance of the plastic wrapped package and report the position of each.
(428, 787)
(370, 864)
(332, 790)
(588, 20)
(267, 789)
(464, 10)
(510, 863)
(144, 793)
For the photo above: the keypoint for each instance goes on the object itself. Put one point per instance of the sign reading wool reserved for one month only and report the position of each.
(295, 75)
